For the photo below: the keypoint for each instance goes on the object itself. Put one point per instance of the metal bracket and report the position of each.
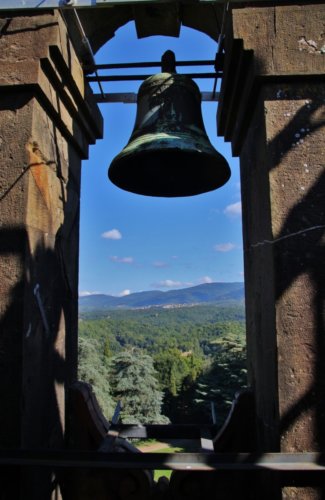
(129, 98)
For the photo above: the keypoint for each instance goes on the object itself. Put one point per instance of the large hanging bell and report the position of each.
(169, 153)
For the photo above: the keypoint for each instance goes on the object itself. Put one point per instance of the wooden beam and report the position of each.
(279, 462)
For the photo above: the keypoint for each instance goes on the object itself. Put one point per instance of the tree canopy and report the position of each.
(135, 384)
(177, 361)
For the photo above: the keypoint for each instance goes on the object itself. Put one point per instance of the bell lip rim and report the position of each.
(153, 193)
(164, 195)
(124, 156)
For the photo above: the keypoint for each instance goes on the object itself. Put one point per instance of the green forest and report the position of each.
(165, 364)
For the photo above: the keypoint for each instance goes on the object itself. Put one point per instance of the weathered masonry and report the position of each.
(272, 109)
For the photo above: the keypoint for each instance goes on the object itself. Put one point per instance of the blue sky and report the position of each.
(129, 242)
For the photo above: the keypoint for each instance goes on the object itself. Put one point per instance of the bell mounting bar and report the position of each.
(167, 64)
(66, 4)
(146, 64)
(128, 78)
(131, 97)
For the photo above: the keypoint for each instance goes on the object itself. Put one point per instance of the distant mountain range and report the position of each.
(209, 293)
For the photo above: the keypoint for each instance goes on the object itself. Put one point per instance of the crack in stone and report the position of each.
(291, 235)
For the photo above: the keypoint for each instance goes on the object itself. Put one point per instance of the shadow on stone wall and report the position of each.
(299, 251)
(32, 359)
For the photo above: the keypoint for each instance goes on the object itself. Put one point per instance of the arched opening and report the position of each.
(283, 217)
(132, 243)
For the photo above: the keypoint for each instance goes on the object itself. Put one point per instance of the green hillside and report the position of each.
(198, 354)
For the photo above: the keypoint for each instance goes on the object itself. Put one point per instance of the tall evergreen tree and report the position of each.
(93, 370)
(134, 383)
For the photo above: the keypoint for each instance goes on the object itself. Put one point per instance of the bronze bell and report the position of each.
(169, 153)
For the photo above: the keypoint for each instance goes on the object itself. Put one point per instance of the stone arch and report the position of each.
(163, 19)
(272, 88)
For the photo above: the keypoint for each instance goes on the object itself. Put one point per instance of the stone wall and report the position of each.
(272, 109)
(46, 125)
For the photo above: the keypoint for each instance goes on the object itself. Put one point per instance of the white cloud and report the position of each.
(122, 260)
(124, 293)
(171, 284)
(85, 293)
(233, 210)
(224, 247)
(205, 279)
(159, 264)
(112, 234)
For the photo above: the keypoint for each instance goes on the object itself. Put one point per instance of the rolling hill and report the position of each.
(209, 293)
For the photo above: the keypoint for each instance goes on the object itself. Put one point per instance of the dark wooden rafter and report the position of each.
(236, 434)
(91, 429)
